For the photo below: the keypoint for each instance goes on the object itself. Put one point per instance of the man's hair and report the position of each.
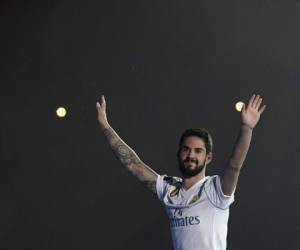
(202, 134)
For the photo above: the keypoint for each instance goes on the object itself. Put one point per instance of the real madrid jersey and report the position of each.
(198, 216)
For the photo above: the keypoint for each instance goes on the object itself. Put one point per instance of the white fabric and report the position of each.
(196, 223)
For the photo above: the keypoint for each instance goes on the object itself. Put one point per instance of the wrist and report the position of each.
(104, 126)
(246, 127)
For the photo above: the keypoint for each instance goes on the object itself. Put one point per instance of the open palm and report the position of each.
(251, 113)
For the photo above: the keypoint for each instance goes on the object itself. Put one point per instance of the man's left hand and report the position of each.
(251, 113)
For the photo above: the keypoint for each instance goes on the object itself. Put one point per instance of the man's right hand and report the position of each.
(101, 109)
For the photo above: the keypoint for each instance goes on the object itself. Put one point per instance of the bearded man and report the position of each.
(197, 205)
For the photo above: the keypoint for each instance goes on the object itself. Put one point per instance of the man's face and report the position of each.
(192, 156)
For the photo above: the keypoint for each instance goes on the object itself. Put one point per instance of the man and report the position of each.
(197, 205)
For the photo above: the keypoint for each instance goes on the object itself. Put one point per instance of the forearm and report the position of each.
(231, 171)
(122, 151)
(130, 159)
(241, 148)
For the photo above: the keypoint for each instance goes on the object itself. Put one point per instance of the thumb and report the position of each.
(243, 108)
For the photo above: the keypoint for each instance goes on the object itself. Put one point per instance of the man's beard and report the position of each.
(188, 171)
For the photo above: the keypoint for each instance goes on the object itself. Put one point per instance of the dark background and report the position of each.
(163, 66)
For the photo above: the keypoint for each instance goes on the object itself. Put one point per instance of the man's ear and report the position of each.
(209, 158)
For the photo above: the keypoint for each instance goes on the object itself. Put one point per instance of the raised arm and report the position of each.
(250, 116)
(124, 153)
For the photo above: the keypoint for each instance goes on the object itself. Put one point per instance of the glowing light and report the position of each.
(239, 106)
(61, 112)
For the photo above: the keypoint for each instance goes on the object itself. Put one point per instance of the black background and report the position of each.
(163, 66)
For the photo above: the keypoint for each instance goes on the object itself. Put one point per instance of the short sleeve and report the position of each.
(215, 194)
(166, 183)
(161, 186)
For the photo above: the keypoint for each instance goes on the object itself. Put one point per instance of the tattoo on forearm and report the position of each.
(129, 158)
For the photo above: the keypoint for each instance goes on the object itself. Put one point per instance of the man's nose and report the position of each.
(191, 154)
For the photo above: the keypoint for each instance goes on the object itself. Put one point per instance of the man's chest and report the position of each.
(198, 214)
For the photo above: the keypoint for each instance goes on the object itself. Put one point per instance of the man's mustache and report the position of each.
(188, 159)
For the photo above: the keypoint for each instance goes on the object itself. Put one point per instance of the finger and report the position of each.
(250, 103)
(262, 109)
(103, 102)
(255, 101)
(258, 103)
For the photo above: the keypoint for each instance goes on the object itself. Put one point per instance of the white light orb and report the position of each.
(239, 106)
(61, 112)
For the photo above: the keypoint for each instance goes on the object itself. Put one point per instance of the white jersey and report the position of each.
(198, 216)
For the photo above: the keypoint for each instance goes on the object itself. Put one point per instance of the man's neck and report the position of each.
(189, 182)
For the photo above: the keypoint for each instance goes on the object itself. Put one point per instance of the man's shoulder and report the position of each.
(211, 179)
(166, 184)
(173, 180)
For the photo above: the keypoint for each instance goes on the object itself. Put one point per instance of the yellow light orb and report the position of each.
(239, 106)
(61, 112)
